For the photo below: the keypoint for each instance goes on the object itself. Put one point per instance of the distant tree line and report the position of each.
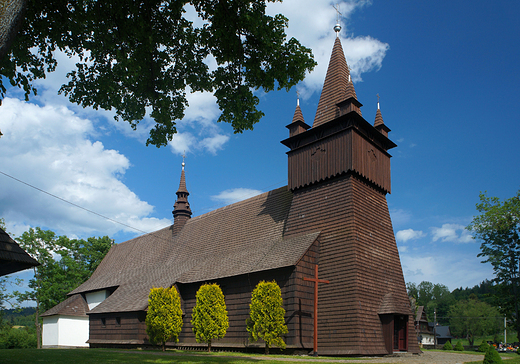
(470, 312)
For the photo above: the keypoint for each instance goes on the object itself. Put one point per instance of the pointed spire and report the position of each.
(298, 124)
(379, 117)
(181, 208)
(379, 123)
(338, 87)
(298, 116)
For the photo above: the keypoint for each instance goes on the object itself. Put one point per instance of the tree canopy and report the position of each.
(64, 265)
(472, 318)
(266, 316)
(164, 316)
(144, 56)
(209, 318)
(498, 229)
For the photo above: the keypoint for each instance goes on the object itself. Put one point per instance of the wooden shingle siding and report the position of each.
(131, 331)
(318, 155)
(297, 298)
(359, 257)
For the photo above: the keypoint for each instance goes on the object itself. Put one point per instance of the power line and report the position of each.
(73, 204)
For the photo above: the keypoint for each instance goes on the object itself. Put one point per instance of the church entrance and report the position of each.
(400, 333)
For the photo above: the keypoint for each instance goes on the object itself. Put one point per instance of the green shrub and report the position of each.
(483, 347)
(164, 316)
(209, 318)
(17, 339)
(266, 315)
(447, 346)
(459, 346)
(492, 356)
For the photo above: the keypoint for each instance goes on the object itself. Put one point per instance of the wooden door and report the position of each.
(400, 333)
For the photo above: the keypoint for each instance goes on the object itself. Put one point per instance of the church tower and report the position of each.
(181, 208)
(339, 174)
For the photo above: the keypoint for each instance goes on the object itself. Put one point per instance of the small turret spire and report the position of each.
(297, 125)
(181, 209)
(379, 123)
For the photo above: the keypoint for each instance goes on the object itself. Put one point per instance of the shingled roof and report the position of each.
(73, 306)
(241, 238)
(12, 257)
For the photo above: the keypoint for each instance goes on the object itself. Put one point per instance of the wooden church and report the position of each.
(333, 213)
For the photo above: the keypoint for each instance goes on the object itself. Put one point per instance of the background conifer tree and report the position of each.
(164, 316)
(266, 317)
(210, 318)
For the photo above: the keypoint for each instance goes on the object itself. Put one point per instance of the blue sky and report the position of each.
(447, 75)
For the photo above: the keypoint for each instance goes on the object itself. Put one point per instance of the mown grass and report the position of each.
(507, 358)
(98, 356)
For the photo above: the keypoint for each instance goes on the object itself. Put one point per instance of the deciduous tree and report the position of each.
(136, 55)
(164, 316)
(498, 228)
(472, 318)
(266, 317)
(54, 277)
(209, 318)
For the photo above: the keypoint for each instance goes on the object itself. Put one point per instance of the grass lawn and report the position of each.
(94, 356)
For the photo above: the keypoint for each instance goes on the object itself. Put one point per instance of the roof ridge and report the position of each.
(237, 204)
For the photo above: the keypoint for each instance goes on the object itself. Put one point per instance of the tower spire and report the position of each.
(181, 209)
(337, 89)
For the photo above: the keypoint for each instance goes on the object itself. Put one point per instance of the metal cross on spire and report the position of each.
(337, 27)
(183, 158)
(297, 98)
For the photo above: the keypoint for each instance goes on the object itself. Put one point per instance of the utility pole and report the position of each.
(435, 328)
(505, 332)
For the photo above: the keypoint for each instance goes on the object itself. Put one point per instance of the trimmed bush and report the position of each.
(209, 318)
(492, 356)
(459, 346)
(267, 316)
(164, 316)
(483, 347)
(447, 346)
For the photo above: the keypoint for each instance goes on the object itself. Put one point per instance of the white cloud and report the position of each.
(454, 233)
(400, 217)
(214, 143)
(453, 270)
(49, 148)
(311, 22)
(235, 195)
(409, 234)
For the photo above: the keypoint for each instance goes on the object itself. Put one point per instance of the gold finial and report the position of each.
(183, 157)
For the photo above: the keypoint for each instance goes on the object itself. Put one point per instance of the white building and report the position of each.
(67, 324)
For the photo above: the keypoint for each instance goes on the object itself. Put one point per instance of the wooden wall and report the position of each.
(359, 256)
(297, 297)
(347, 148)
(123, 328)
